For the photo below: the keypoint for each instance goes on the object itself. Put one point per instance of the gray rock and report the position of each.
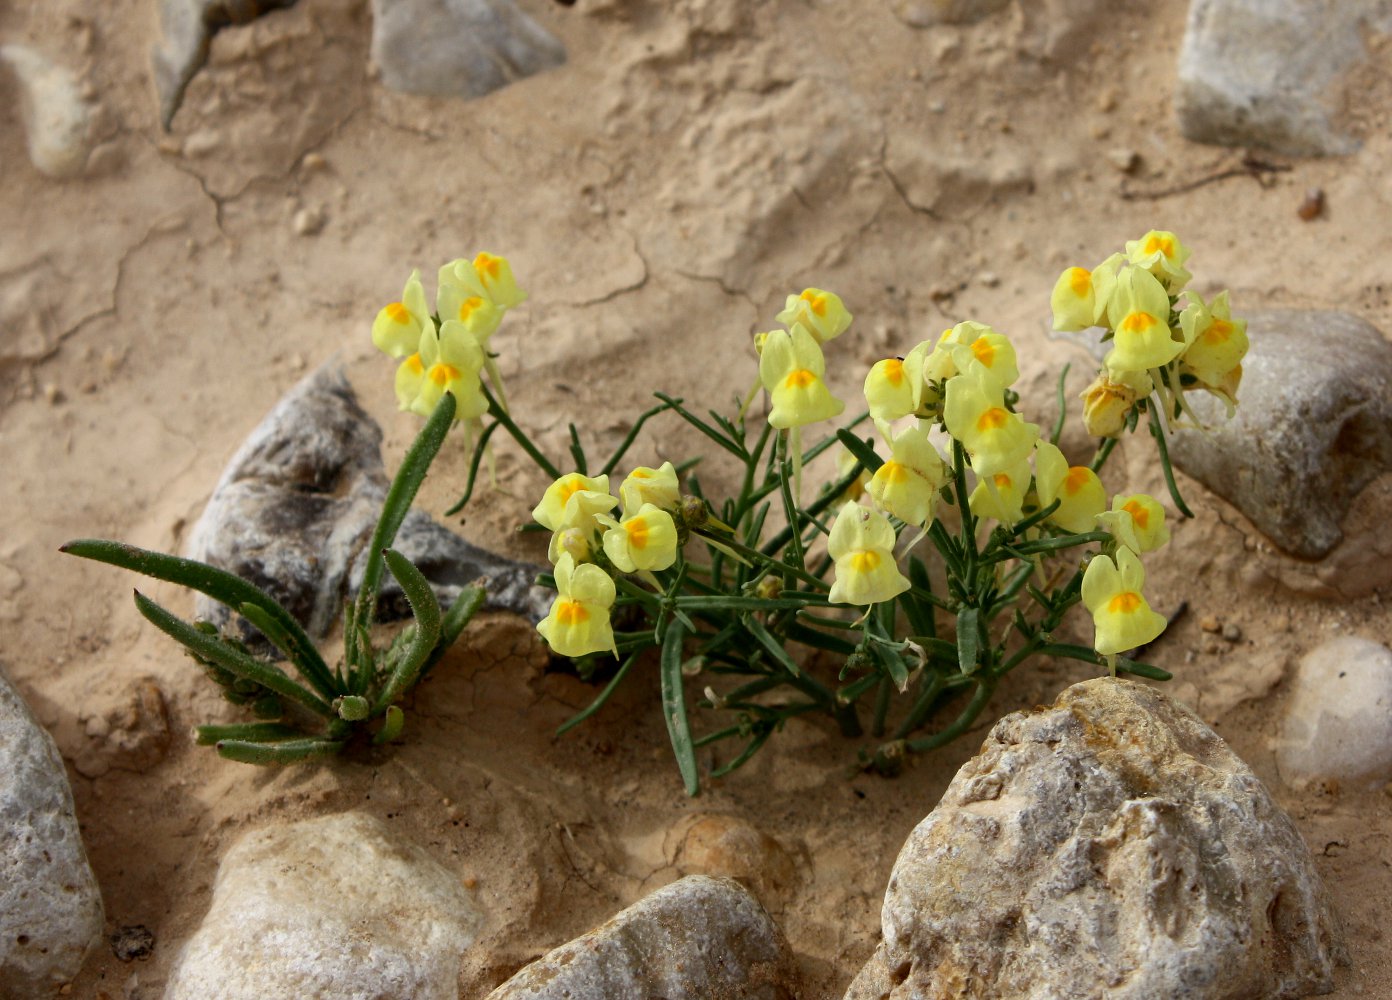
(296, 507)
(1313, 427)
(1274, 73)
(458, 48)
(188, 27)
(1111, 845)
(334, 906)
(700, 938)
(1337, 724)
(57, 121)
(50, 906)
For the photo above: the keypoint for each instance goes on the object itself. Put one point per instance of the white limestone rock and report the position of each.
(1337, 724)
(458, 48)
(696, 939)
(57, 121)
(1274, 73)
(1111, 845)
(50, 906)
(334, 907)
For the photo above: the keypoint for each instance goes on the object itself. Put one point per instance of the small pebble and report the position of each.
(1312, 206)
(308, 222)
(201, 143)
(1232, 633)
(1125, 160)
(313, 162)
(52, 394)
(1210, 623)
(988, 279)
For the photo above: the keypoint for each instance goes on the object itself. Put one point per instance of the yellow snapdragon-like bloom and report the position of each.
(822, 312)
(478, 315)
(1080, 297)
(572, 502)
(645, 540)
(1161, 253)
(1079, 492)
(1106, 402)
(578, 622)
(450, 362)
(907, 484)
(1217, 343)
(793, 370)
(487, 276)
(862, 544)
(993, 352)
(889, 391)
(578, 543)
(1002, 494)
(1140, 315)
(1137, 522)
(398, 327)
(658, 487)
(975, 414)
(1112, 592)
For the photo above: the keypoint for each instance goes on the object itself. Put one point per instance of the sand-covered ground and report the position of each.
(658, 196)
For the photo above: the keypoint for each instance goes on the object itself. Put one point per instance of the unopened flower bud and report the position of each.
(1105, 406)
(575, 541)
(769, 587)
(694, 512)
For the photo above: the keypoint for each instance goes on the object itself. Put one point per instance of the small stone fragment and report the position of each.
(57, 121)
(1337, 724)
(1313, 427)
(1125, 160)
(1210, 623)
(1232, 633)
(695, 939)
(50, 906)
(133, 942)
(458, 48)
(308, 222)
(1110, 845)
(334, 906)
(1312, 205)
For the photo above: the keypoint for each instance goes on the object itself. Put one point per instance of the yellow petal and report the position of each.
(821, 312)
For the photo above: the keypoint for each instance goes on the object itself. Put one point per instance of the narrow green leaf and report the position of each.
(577, 452)
(272, 629)
(255, 732)
(632, 436)
(862, 449)
(480, 449)
(920, 617)
(674, 708)
(748, 752)
(212, 648)
(398, 503)
(426, 610)
(603, 697)
(1146, 670)
(1057, 432)
(270, 754)
(731, 446)
(221, 586)
(393, 722)
(775, 648)
(968, 639)
(1157, 431)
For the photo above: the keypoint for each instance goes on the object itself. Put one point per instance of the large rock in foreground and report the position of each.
(1111, 845)
(332, 907)
(700, 938)
(1313, 427)
(50, 907)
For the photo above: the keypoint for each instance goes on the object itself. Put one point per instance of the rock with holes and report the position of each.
(335, 906)
(1110, 845)
(1337, 726)
(695, 939)
(1312, 429)
(57, 121)
(298, 503)
(458, 48)
(50, 907)
(1276, 73)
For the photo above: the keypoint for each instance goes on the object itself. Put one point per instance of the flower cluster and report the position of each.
(448, 351)
(589, 547)
(792, 368)
(1164, 339)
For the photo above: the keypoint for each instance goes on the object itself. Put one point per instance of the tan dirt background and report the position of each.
(658, 196)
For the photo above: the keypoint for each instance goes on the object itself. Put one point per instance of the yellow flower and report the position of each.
(578, 622)
(398, 327)
(821, 312)
(578, 543)
(992, 351)
(1079, 492)
(975, 415)
(1140, 314)
(907, 484)
(655, 486)
(1217, 343)
(1112, 592)
(1001, 495)
(487, 276)
(862, 544)
(1080, 296)
(572, 501)
(792, 369)
(451, 362)
(1161, 253)
(455, 302)
(646, 540)
(1106, 403)
(409, 376)
(1136, 522)
(889, 392)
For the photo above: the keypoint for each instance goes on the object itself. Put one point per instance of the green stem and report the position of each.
(1157, 431)
(961, 724)
(501, 415)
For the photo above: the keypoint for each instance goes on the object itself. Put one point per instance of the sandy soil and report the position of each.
(658, 196)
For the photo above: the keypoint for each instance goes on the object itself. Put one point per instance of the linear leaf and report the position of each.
(426, 610)
(674, 708)
(968, 639)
